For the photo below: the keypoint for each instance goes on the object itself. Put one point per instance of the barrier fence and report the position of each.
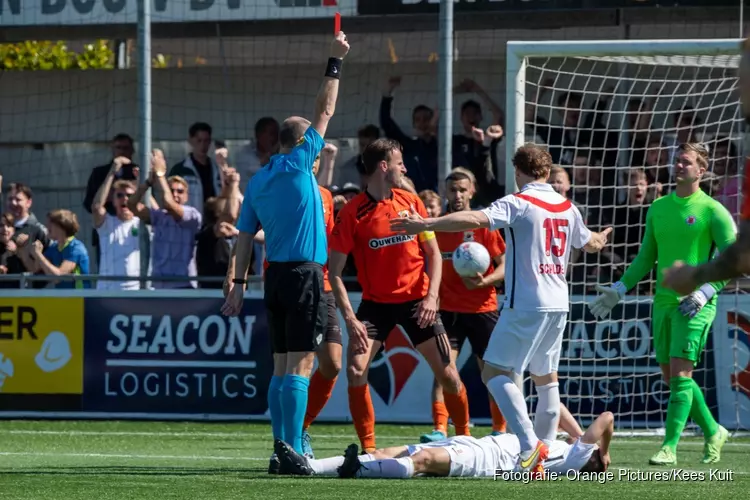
(172, 355)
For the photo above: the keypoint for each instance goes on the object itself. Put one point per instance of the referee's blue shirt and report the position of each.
(284, 199)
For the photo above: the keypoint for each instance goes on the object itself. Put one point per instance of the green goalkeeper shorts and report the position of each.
(677, 336)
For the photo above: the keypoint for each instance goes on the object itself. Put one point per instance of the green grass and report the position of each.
(155, 460)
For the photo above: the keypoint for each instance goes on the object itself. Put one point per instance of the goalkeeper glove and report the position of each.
(608, 299)
(693, 303)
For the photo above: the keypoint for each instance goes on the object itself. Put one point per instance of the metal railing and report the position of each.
(26, 280)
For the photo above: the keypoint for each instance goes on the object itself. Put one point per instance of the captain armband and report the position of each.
(426, 236)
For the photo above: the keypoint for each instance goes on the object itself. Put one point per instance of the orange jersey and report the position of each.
(327, 198)
(454, 296)
(390, 267)
(745, 211)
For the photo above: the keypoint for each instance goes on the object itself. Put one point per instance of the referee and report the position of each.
(283, 198)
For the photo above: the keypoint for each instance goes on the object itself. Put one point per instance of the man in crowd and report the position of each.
(174, 227)
(119, 244)
(122, 147)
(253, 157)
(420, 152)
(349, 172)
(28, 229)
(198, 169)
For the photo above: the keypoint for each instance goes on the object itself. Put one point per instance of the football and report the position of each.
(471, 258)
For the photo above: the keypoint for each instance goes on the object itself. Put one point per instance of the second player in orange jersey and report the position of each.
(396, 289)
(468, 306)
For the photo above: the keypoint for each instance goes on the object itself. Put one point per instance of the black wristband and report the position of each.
(238, 281)
(333, 70)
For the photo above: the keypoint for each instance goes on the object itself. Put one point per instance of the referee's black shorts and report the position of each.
(295, 305)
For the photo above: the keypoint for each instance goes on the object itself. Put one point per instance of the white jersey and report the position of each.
(485, 457)
(120, 252)
(540, 228)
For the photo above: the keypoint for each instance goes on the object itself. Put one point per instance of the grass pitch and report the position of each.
(155, 460)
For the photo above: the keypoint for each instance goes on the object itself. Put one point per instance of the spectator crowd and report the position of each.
(190, 217)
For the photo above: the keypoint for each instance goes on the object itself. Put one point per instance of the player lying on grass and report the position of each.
(459, 456)
(688, 226)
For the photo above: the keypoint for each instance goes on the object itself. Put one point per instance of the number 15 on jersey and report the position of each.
(555, 237)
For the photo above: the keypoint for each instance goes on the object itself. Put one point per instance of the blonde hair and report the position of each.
(557, 169)
(428, 195)
(178, 180)
(65, 220)
(123, 184)
(700, 150)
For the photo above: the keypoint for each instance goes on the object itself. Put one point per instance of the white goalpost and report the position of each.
(612, 114)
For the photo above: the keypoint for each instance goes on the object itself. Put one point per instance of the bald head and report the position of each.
(292, 131)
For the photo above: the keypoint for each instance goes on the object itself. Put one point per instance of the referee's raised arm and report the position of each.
(325, 102)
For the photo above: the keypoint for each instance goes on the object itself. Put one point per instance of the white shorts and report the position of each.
(470, 457)
(527, 339)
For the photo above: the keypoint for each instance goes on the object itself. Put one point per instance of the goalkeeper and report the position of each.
(688, 225)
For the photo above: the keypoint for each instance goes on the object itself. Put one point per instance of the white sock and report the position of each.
(547, 415)
(327, 466)
(509, 399)
(391, 468)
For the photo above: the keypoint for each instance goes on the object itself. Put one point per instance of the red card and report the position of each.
(336, 23)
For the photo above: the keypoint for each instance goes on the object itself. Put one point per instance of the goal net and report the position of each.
(612, 115)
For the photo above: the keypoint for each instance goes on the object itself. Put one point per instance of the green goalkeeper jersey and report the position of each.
(688, 229)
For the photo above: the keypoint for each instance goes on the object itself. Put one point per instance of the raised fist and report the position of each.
(339, 46)
(478, 134)
(494, 132)
(221, 157)
(392, 84)
(118, 162)
(330, 150)
(158, 163)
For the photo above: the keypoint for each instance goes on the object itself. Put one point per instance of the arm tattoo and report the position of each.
(732, 263)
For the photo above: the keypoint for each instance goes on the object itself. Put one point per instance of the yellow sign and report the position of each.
(41, 346)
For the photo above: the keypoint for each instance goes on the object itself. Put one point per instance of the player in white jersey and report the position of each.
(540, 228)
(459, 456)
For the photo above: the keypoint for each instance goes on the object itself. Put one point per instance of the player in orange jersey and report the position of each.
(733, 262)
(328, 353)
(468, 306)
(396, 290)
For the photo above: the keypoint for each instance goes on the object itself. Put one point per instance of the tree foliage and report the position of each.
(34, 55)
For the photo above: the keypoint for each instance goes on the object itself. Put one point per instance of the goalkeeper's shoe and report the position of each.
(274, 464)
(433, 436)
(307, 446)
(665, 456)
(351, 465)
(532, 460)
(291, 462)
(609, 297)
(714, 444)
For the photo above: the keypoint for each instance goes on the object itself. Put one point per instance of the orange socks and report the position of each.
(458, 408)
(498, 420)
(318, 395)
(363, 414)
(440, 417)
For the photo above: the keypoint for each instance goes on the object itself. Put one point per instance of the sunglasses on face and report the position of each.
(123, 195)
(178, 190)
